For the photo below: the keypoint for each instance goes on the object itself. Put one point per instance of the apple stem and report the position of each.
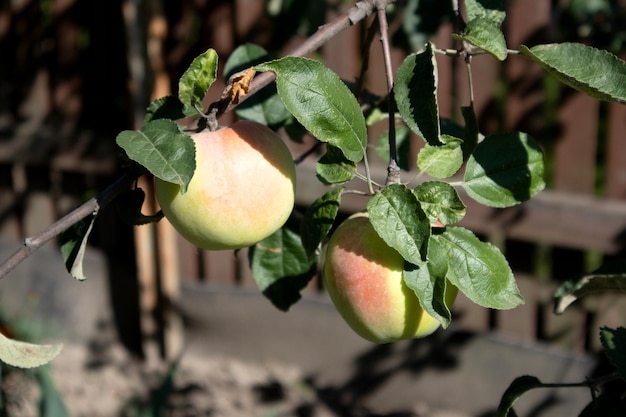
(368, 174)
(211, 120)
(393, 170)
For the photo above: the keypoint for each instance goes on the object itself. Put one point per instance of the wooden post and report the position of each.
(147, 271)
(615, 155)
(170, 320)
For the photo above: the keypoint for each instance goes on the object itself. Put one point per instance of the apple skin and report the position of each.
(243, 188)
(364, 278)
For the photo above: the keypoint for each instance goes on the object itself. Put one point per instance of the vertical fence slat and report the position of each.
(220, 267)
(469, 316)
(575, 150)
(245, 277)
(147, 276)
(249, 21)
(521, 321)
(529, 18)
(616, 152)
(342, 53)
(169, 274)
(445, 92)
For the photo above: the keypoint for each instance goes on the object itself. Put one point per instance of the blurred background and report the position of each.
(74, 73)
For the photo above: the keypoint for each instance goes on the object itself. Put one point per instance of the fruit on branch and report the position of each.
(243, 188)
(364, 278)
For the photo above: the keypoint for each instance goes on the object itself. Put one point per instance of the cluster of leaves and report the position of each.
(499, 170)
(400, 214)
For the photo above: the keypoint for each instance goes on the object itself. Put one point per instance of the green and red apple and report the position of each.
(364, 278)
(243, 188)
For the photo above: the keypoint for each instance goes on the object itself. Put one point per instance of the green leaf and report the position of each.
(159, 405)
(607, 404)
(129, 204)
(376, 114)
(476, 268)
(265, 106)
(73, 244)
(168, 107)
(51, 402)
(504, 170)
(321, 102)
(584, 9)
(597, 73)
(26, 355)
(440, 201)
(494, 10)
(451, 128)
(162, 149)
(614, 343)
(403, 147)
(295, 131)
(428, 282)
(333, 168)
(423, 19)
(281, 266)
(243, 57)
(398, 219)
(196, 80)
(609, 278)
(441, 161)
(318, 220)
(485, 34)
(470, 137)
(517, 388)
(415, 91)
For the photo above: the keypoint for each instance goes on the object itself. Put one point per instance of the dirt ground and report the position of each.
(111, 383)
(244, 358)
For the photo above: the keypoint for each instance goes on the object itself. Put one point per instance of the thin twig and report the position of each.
(355, 14)
(358, 12)
(591, 383)
(470, 80)
(447, 52)
(356, 192)
(459, 22)
(393, 170)
(31, 244)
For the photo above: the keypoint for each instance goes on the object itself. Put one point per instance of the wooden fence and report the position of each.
(558, 234)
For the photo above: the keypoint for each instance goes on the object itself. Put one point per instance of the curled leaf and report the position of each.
(73, 245)
(26, 355)
(196, 80)
(517, 388)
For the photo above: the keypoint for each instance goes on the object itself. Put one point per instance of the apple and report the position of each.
(243, 188)
(364, 278)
